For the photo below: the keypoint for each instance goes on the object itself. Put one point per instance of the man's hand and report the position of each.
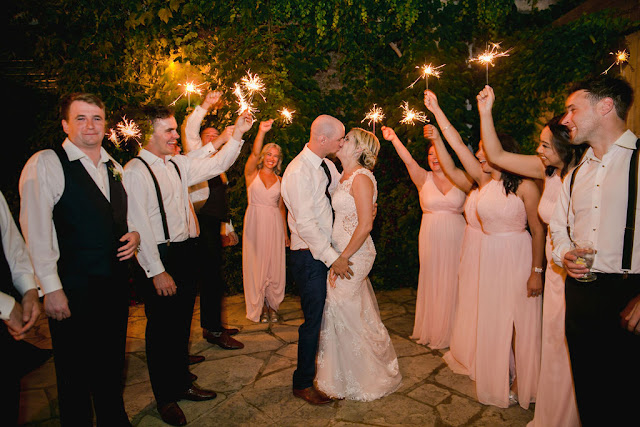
(341, 267)
(126, 251)
(211, 99)
(632, 319)
(534, 285)
(243, 124)
(24, 316)
(230, 239)
(574, 270)
(485, 99)
(56, 305)
(388, 133)
(165, 286)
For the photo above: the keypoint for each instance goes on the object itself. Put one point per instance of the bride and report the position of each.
(356, 359)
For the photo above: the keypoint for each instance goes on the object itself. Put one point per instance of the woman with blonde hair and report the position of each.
(356, 359)
(264, 235)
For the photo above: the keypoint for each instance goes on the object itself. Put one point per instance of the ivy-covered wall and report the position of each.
(315, 56)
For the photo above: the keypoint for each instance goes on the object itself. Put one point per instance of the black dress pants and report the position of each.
(212, 283)
(89, 353)
(169, 324)
(605, 358)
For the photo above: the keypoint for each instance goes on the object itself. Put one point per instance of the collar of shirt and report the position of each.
(627, 141)
(75, 153)
(312, 157)
(151, 158)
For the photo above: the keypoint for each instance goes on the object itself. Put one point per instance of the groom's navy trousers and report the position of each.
(311, 277)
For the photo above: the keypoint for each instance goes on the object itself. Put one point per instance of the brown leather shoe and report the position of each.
(311, 395)
(192, 376)
(231, 331)
(198, 394)
(193, 359)
(172, 414)
(225, 341)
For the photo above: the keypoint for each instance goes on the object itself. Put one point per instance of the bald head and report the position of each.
(327, 135)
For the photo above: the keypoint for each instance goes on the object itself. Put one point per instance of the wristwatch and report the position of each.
(536, 270)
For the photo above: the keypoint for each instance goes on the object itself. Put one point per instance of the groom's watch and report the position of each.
(536, 270)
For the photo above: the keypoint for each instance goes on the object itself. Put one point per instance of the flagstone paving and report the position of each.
(254, 384)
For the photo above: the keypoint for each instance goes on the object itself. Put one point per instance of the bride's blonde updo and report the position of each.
(370, 146)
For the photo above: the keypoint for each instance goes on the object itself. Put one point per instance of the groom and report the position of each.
(307, 185)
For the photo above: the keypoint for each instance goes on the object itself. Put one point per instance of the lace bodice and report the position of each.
(346, 219)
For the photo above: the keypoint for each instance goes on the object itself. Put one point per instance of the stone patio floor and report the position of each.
(254, 384)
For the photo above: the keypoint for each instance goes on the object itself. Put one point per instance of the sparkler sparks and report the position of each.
(287, 116)
(409, 116)
(374, 115)
(189, 88)
(622, 56)
(428, 70)
(124, 131)
(488, 56)
(245, 91)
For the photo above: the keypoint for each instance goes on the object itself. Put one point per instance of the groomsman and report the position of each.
(598, 203)
(74, 218)
(158, 183)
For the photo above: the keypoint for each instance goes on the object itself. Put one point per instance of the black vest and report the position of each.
(87, 225)
(217, 205)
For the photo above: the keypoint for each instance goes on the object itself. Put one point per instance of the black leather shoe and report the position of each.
(198, 394)
(172, 414)
(225, 341)
(231, 331)
(193, 359)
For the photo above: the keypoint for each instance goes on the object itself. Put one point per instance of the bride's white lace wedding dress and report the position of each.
(356, 359)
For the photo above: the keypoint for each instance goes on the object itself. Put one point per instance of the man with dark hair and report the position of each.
(212, 205)
(158, 182)
(74, 218)
(598, 204)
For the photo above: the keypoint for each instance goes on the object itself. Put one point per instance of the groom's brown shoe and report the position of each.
(311, 395)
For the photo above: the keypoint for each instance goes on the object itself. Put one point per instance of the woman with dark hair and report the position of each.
(440, 244)
(555, 405)
(264, 235)
(462, 348)
(509, 313)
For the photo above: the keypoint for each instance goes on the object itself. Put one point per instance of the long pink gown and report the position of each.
(461, 356)
(505, 266)
(440, 244)
(556, 402)
(263, 249)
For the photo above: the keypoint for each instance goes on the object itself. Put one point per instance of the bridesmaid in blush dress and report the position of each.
(462, 350)
(555, 404)
(264, 234)
(440, 245)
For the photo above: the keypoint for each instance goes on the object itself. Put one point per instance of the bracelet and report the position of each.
(536, 270)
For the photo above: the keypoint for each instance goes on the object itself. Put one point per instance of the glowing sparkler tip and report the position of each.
(374, 115)
(410, 116)
(621, 56)
(489, 55)
(287, 116)
(124, 131)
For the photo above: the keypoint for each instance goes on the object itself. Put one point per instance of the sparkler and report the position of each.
(287, 116)
(428, 70)
(410, 116)
(374, 115)
(622, 56)
(244, 92)
(124, 131)
(488, 56)
(189, 88)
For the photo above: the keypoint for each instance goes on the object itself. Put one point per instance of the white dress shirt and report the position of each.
(41, 186)
(310, 214)
(198, 193)
(597, 210)
(15, 251)
(181, 221)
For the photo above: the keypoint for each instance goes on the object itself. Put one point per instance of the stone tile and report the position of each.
(279, 379)
(256, 327)
(460, 383)
(138, 398)
(34, 406)
(136, 370)
(430, 394)
(390, 309)
(290, 351)
(276, 403)
(294, 322)
(234, 411)
(277, 363)
(286, 333)
(401, 295)
(135, 345)
(151, 421)
(457, 411)
(136, 327)
(416, 369)
(401, 325)
(406, 347)
(41, 377)
(227, 374)
(393, 410)
(493, 416)
(196, 411)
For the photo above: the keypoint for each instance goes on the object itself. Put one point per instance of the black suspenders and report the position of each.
(163, 214)
(629, 230)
